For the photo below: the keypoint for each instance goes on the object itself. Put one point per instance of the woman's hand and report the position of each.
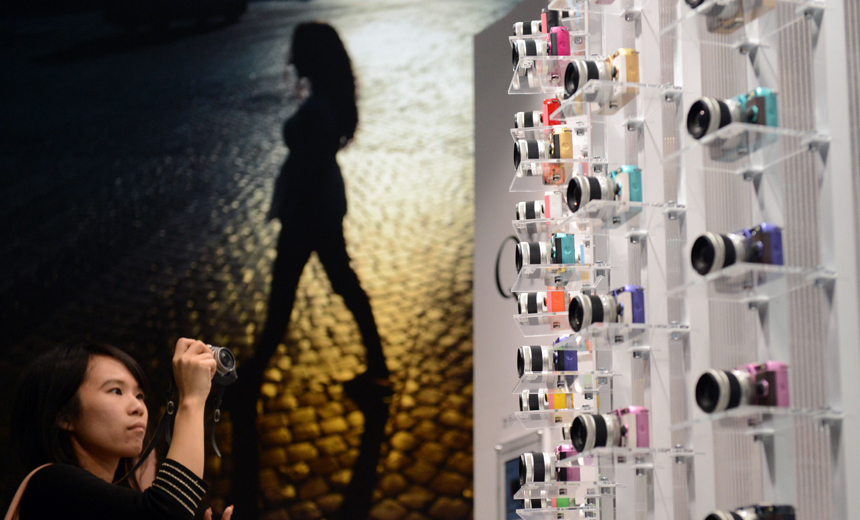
(193, 368)
(225, 516)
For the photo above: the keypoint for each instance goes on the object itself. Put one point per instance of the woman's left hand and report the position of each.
(225, 516)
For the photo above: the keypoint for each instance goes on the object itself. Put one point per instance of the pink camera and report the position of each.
(570, 474)
(761, 384)
(559, 41)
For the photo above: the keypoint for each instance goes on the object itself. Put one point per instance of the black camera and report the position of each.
(755, 512)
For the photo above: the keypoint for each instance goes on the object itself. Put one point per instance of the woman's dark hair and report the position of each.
(47, 396)
(319, 55)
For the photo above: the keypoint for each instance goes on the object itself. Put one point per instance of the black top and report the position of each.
(310, 187)
(70, 492)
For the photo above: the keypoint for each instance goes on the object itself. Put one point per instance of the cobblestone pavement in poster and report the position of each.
(137, 173)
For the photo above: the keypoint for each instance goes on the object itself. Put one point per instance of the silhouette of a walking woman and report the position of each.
(310, 202)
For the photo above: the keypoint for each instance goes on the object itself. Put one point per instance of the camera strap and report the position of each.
(216, 417)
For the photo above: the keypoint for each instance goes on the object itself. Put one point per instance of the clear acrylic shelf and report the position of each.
(552, 418)
(579, 129)
(602, 99)
(628, 453)
(558, 513)
(761, 413)
(751, 26)
(542, 324)
(544, 490)
(606, 7)
(746, 149)
(599, 217)
(604, 335)
(564, 381)
(747, 282)
(533, 278)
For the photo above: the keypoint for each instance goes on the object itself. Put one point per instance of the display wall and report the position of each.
(671, 332)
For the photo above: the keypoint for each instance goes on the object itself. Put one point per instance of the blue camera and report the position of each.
(628, 182)
(536, 359)
(761, 245)
(757, 107)
(623, 305)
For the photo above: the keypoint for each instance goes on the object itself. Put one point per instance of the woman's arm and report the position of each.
(64, 491)
(193, 368)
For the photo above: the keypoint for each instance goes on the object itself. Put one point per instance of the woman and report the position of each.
(80, 420)
(310, 202)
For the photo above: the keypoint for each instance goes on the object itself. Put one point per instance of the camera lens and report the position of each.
(698, 119)
(723, 515)
(519, 257)
(521, 362)
(574, 194)
(703, 254)
(587, 432)
(576, 314)
(226, 359)
(708, 392)
(517, 155)
(718, 390)
(571, 78)
(695, 3)
(515, 55)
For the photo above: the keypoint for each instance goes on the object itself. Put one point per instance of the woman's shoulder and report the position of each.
(49, 478)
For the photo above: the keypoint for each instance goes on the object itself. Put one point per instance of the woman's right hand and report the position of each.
(193, 368)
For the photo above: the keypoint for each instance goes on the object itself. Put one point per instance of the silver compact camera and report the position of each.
(225, 371)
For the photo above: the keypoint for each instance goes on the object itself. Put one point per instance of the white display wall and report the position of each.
(790, 309)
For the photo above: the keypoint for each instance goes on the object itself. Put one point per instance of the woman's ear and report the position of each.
(64, 423)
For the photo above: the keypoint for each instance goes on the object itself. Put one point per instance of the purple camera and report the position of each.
(537, 359)
(623, 305)
(763, 384)
(761, 244)
(626, 428)
(572, 473)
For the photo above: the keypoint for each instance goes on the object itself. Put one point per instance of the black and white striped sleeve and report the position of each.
(181, 484)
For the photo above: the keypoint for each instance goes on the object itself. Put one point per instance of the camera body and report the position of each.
(761, 244)
(528, 28)
(561, 249)
(564, 250)
(570, 474)
(550, 105)
(628, 183)
(625, 428)
(623, 305)
(539, 359)
(544, 400)
(727, 16)
(757, 384)
(559, 41)
(631, 300)
(542, 302)
(225, 369)
(528, 119)
(707, 115)
(622, 66)
(581, 190)
(755, 512)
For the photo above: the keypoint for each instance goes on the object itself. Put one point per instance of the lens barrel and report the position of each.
(723, 515)
(588, 431)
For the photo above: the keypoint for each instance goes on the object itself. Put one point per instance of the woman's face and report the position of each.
(112, 419)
